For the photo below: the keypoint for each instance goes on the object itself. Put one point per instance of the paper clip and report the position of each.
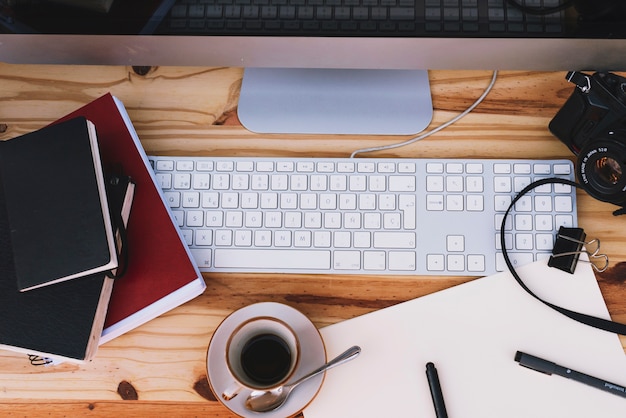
(568, 247)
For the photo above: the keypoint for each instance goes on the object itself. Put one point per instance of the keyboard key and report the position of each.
(542, 169)
(502, 202)
(474, 184)
(374, 260)
(402, 184)
(225, 166)
(543, 223)
(502, 185)
(406, 167)
(517, 260)
(454, 203)
(563, 204)
(544, 242)
(454, 183)
(524, 241)
(435, 168)
(476, 263)
(455, 243)
(202, 256)
(435, 262)
(347, 260)
(434, 183)
(521, 168)
(272, 259)
(475, 203)
(407, 204)
(454, 168)
(402, 260)
(474, 168)
(394, 240)
(165, 165)
(456, 262)
(184, 165)
(562, 169)
(434, 203)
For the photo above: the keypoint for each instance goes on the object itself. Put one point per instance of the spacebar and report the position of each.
(272, 259)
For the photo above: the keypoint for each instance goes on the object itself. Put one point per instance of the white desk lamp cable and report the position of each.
(435, 130)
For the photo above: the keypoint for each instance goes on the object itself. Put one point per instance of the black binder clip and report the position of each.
(568, 248)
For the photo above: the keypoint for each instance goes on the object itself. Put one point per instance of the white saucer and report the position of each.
(313, 355)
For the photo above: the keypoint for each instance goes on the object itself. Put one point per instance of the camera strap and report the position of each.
(603, 324)
(581, 80)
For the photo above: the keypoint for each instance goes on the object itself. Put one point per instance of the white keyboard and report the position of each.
(363, 216)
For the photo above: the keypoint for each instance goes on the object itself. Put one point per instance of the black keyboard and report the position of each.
(475, 18)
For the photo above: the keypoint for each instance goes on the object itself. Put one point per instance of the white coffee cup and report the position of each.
(261, 353)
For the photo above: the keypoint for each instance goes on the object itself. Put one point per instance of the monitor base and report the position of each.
(335, 101)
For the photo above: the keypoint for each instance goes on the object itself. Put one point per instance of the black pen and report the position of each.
(435, 391)
(549, 368)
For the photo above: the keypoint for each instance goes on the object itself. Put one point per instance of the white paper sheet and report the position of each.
(472, 332)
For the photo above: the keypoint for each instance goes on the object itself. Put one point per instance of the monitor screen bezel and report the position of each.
(549, 54)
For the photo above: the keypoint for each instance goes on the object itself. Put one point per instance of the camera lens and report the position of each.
(601, 169)
(608, 170)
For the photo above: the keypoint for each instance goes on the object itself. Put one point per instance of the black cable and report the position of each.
(603, 324)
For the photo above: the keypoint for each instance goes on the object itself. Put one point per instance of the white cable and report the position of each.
(435, 130)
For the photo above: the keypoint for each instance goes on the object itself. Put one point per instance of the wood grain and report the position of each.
(159, 368)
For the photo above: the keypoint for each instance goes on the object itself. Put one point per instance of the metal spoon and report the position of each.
(267, 400)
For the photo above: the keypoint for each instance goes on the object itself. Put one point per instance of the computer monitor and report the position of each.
(413, 36)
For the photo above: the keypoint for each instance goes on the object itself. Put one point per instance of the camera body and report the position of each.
(592, 123)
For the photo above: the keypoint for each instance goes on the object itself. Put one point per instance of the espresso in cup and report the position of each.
(261, 354)
(266, 359)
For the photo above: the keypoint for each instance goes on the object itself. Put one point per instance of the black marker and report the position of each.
(435, 390)
(549, 368)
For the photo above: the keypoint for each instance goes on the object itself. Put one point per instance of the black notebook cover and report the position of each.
(64, 320)
(56, 206)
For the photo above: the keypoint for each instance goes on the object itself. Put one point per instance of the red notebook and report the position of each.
(162, 273)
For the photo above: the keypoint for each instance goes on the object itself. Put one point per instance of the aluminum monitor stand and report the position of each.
(335, 101)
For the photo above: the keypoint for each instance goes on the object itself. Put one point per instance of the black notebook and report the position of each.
(63, 321)
(56, 205)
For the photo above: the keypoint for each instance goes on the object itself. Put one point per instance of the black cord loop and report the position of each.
(600, 323)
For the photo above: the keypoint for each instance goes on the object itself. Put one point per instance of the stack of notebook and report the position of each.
(83, 267)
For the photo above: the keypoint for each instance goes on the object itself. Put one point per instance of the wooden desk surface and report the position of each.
(193, 111)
